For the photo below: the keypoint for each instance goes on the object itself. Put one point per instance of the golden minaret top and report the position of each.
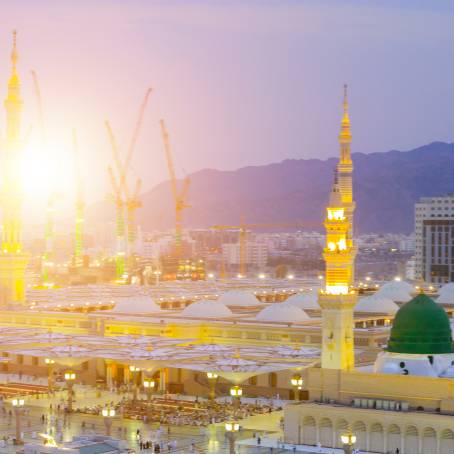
(13, 102)
(14, 56)
(345, 135)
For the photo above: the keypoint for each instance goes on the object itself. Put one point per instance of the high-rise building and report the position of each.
(256, 254)
(13, 260)
(337, 299)
(434, 239)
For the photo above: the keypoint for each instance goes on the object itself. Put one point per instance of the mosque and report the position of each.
(406, 402)
(380, 366)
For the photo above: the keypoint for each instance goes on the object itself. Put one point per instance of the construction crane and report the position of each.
(132, 199)
(80, 207)
(179, 197)
(119, 225)
(242, 239)
(49, 229)
(124, 199)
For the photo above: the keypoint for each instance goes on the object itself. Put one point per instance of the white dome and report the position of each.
(396, 290)
(135, 305)
(377, 303)
(304, 300)
(239, 298)
(446, 298)
(282, 312)
(447, 289)
(207, 308)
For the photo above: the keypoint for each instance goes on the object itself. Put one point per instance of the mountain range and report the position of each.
(386, 187)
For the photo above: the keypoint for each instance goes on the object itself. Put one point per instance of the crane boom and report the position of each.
(135, 136)
(173, 178)
(40, 106)
(116, 157)
(114, 184)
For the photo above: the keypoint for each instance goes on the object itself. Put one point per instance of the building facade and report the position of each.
(256, 254)
(434, 239)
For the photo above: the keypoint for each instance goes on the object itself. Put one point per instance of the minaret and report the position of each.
(12, 260)
(338, 299)
(345, 165)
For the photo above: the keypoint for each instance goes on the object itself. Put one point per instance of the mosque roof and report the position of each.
(239, 298)
(304, 300)
(282, 312)
(421, 326)
(400, 291)
(446, 294)
(377, 303)
(447, 288)
(135, 305)
(207, 308)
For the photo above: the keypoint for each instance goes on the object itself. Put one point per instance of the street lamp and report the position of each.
(69, 378)
(297, 382)
(236, 392)
(18, 404)
(231, 428)
(108, 415)
(157, 276)
(149, 384)
(348, 440)
(134, 370)
(50, 371)
(212, 378)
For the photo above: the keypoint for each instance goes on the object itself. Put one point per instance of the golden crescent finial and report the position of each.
(345, 98)
(14, 56)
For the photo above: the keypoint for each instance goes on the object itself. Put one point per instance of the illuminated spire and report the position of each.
(14, 55)
(345, 135)
(13, 260)
(337, 300)
(13, 101)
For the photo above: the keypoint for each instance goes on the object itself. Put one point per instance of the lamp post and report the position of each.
(149, 384)
(18, 404)
(50, 371)
(108, 415)
(231, 428)
(236, 392)
(348, 440)
(212, 379)
(297, 383)
(134, 370)
(157, 276)
(69, 378)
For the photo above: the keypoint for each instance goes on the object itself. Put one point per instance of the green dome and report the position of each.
(421, 326)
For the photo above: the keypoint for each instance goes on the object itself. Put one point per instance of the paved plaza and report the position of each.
(40, 415)
(260, 433)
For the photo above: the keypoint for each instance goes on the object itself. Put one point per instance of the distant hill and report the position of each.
(386, 186)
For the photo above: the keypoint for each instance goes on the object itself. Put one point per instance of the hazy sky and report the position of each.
(238, 82)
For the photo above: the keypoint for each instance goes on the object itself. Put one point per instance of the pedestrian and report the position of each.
(259, 441)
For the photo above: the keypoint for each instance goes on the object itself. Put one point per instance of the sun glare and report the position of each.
(45, 170)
